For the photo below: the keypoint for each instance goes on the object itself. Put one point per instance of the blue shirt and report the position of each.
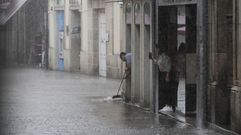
(128, 59)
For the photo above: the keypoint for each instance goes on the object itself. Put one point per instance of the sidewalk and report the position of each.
(192, 121)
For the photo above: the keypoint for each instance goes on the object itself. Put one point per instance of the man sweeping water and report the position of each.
(126, 57)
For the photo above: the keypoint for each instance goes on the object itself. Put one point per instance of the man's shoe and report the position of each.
(166, 109)
(174, 108)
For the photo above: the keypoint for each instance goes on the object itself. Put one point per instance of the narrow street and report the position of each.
(40, 102)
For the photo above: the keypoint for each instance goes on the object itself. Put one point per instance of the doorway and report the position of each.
(75, 40)
(102, 44)
(176, 26)
(60, 40)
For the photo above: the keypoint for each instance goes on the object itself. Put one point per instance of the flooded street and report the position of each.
(40, 102)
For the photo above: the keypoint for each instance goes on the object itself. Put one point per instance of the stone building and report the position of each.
(23, 29)
(85, 36)
(138, 39)
(150, 24)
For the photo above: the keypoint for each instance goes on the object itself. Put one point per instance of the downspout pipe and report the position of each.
(202, 61)
(155, 69)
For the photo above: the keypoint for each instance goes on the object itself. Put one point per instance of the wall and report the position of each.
(223, 71)
(237, 46)
(113, 13)
(89, 43)
(52, 36)
(81, 51)
(89, 54)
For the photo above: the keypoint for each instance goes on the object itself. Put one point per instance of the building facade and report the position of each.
(85, 36)
(170, 23)
(224, 64)
(138, 40)
(146, 33)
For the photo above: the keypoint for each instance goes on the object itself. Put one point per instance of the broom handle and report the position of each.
(121, 83)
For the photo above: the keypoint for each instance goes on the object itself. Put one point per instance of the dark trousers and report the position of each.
(167, 90)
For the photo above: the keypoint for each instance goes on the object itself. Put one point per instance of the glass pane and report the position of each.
(191, 28)
(128, 13)
(181, 25)
(137, 14)
(147, 14)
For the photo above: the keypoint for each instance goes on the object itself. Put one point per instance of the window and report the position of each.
(147, 14)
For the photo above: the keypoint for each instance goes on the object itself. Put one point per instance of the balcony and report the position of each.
(59, 5)
(75, 4)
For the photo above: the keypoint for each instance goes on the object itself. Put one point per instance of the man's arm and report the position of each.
(151, 57)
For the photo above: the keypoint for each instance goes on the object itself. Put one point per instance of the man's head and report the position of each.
(122, 56)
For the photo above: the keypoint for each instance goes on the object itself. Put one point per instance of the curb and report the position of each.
(209, 125)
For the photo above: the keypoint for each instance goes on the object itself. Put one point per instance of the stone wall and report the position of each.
(224, 93)
(89, 52)
(113, 13)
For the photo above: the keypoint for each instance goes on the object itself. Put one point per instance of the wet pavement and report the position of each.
(40, 102)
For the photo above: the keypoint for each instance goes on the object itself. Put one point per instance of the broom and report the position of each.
(117, 95)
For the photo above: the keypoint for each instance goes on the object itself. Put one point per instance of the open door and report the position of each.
(186, 34)
(177, 25)
(167, 37)
(60, 40)
(191, 58)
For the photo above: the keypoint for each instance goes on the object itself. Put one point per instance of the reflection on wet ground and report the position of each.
(40, 102)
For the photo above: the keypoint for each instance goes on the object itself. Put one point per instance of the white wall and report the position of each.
(52, 36)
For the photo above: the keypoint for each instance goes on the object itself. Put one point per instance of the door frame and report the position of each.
(158, 4)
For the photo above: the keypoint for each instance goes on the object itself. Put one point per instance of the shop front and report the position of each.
(175, 22)
(177, 32)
